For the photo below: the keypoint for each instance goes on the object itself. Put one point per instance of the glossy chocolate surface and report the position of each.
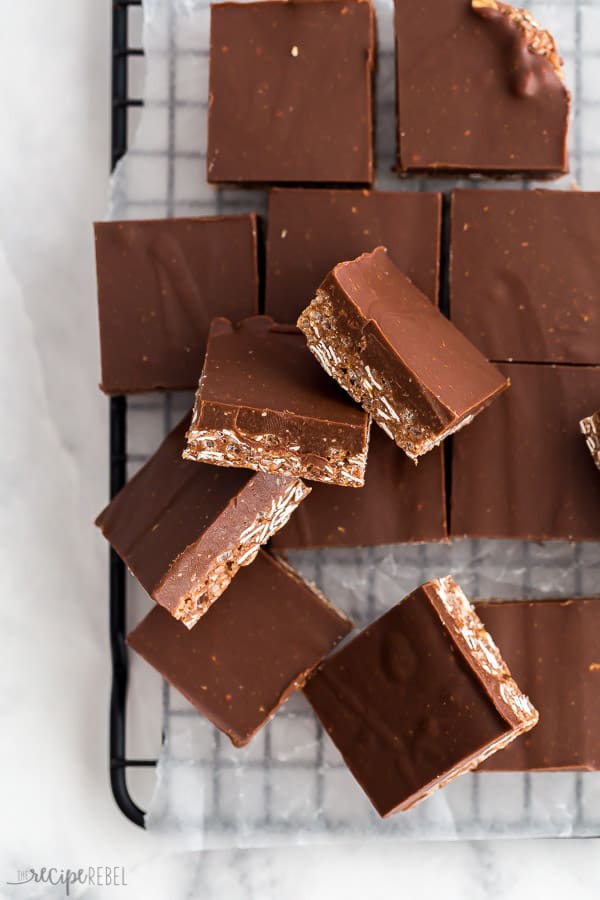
(265, 403)
(267, 366)
(160, 282)
(525, 472)
(251, 650)
(290, 92)
(552, 648)
(311, 230)
(473, 93)
(403, 704)
(396, 354)
(525, 270)
(429, 346)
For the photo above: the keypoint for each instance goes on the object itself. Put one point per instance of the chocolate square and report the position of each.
(290, 92)
(419, 697)
(184, 529)
(252, 649)
(160, 282)
(264, 403)
(553, 650)
(525, 472)
(480, 88)
(400, 503)
(310, 231)
(525, 269)
(394, 352)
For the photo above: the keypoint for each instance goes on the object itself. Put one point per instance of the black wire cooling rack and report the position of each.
(119, 762)
(123, 103)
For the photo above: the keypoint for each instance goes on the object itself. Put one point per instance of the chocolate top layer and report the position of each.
(525, 269)
(553, 650)
(159, 285)
(268, 366)
(402, 704)
(310, 231)
(169, 504)
(524, 472)
(478, 89)
(413, 328)
(251, 649)
(290, 92)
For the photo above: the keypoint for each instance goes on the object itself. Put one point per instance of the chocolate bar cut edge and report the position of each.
(334, 317)
(477, 648)
(239, 691)
(478, 675)
(229, 448)
(241, 511)
(281, 498)
(590, 428)
(274, 432)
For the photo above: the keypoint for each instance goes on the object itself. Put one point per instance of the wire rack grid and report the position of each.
(292, 752)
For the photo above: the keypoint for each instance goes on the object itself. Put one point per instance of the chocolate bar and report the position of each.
(400, 503)
(419, 697)
(252, 649)
(553, 650)
(524, 274)
(480, 88)
(160, 282)
(185, 529)
(290, 93)
(264, 403)
(311, 230)
(396, 354)
(524, 473)
(590, 427)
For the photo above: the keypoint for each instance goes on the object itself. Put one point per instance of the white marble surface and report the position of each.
(55, 804)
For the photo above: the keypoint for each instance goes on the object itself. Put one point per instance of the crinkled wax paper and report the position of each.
(289, 784)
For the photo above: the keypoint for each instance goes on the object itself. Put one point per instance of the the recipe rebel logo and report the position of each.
(90, 876)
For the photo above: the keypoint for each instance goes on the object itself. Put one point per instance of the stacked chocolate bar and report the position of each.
(338, 402)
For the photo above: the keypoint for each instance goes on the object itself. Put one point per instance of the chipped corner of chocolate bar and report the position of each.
(530, 39)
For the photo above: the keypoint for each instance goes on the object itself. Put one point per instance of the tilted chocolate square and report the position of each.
(290, 92)
(400, 503)
(419, 697)
(264, 403)
(251, 650)
(480, 88)
(525, 472)
(160, 282)
(525, 268)
(396, 354)
(553, 650)
(184, 529)
(311, 230)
